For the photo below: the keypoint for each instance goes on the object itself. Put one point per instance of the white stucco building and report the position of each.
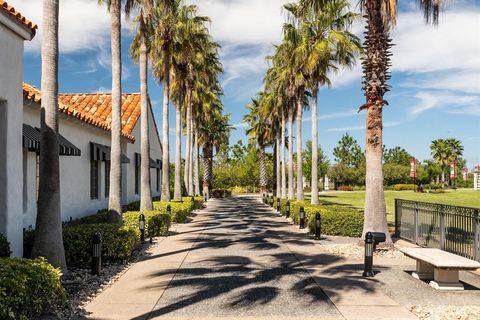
(14, 30)
(84, 128)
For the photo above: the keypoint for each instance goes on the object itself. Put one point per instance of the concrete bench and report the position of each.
(439, 266)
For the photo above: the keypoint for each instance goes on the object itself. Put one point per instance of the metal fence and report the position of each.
(450, 228)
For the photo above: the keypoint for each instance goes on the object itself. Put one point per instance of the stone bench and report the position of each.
(439, 266)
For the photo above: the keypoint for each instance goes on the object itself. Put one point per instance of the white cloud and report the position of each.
(386, 124)
(451, 103)
(83, 25)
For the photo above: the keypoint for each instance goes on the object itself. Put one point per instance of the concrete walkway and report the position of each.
(238, 260)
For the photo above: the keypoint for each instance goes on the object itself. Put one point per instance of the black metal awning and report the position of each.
(102, 153)
(32, 137)
(153, 164)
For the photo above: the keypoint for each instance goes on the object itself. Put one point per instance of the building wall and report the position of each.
(155, 153)
(11, 72)
(75, 171)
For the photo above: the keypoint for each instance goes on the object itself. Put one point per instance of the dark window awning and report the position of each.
(101, 152)
(153, 164)
(32, 137)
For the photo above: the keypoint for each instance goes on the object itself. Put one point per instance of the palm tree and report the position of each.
(161, 62)
(114, 193)
(140, 49)
(327, 43)
(380, 17)
(445, 152)
(261, 132)
(48, 231)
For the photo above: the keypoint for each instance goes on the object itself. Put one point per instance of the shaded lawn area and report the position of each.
(466, 198)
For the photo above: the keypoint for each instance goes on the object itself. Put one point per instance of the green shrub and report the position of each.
(180, 210)
(243, 189)
(336, 220)
(4, 247)
(403, 187)
(197, 201)
(221, 193)
(156, 222)
(29, 289)
(134, 206)
(118, 242)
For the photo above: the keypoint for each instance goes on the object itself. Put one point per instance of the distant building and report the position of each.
(14, 30)
(84, 127)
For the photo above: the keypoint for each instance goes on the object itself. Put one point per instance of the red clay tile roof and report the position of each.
(94, 108)
(17, 16)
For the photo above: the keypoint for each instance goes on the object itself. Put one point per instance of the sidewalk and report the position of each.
(238, 260)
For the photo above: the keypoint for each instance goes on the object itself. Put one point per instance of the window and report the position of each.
(107, 178)
(137, 173)
(158, 179)
(93, 179)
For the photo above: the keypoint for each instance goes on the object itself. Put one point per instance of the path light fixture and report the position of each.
(318, 226)
(302, 218)
(278, 205)
(287, 209)
(205, 198)
(169, 210)
(96, 253)
(141, 226)
(371, 240)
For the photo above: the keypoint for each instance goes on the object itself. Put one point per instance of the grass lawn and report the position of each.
(466, 198)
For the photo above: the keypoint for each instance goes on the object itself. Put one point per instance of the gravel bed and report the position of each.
(352, 250)
(447, 312)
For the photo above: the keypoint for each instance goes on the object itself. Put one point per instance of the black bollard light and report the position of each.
(287, 209)
(278, 206)
(141, 226)
(302, 218)
(369, 244)
(205, 198)
(318, 226)
(96, 253)
(169, 210)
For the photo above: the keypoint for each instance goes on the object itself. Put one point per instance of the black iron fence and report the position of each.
(450, 228)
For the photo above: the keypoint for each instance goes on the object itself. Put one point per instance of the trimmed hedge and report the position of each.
(156, 223)
(4, 247)
(118, 242)
(338, 220)
(29, 289)
(180, 210)
(221, 193)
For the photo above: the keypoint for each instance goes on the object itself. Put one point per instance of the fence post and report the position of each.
(415, 221)
(476, 225)
(442, 227)
(397, 219)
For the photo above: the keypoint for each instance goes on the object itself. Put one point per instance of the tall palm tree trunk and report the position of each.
(48, 231)
(186, 175)
(177, 193)
(314, 182)
(145, 191)
(196, 163)
(207, 168)
(278, 170)
(165, 130)
(191, 163)
(283, 158)
(290, 155)
(263, 171)
(115, 192)
(375, 65)
(299, 151)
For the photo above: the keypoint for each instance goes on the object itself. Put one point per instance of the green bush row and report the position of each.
(243, 189)
(29, 289)
(4, 246)
(221, 193)
(401, 187)
(339, 220)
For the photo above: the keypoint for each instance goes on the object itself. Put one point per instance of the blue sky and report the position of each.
(435, 73)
